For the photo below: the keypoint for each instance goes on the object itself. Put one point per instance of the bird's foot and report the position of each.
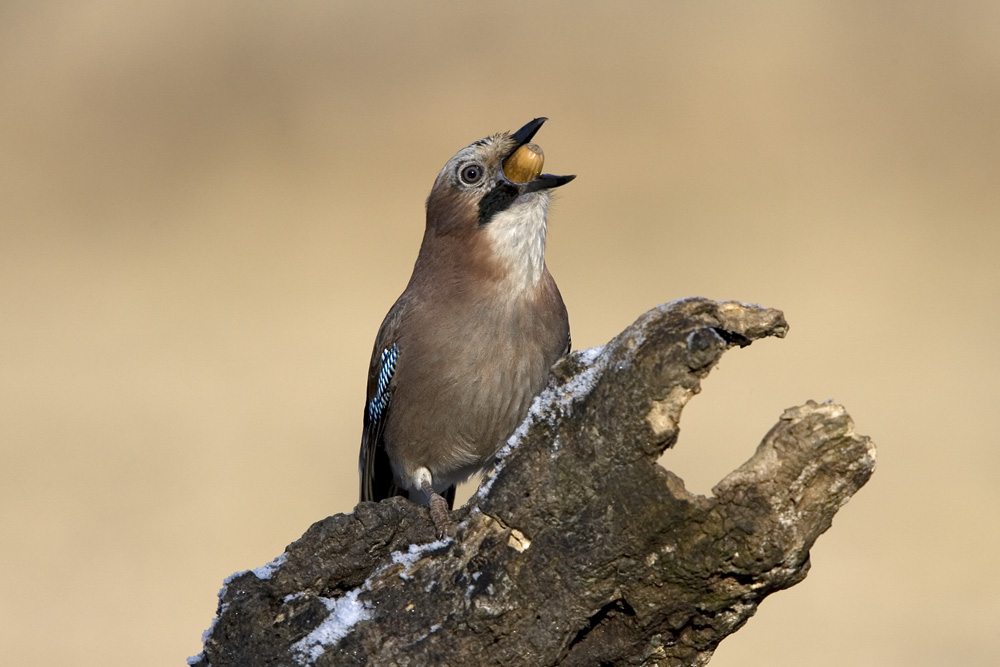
(440, 513)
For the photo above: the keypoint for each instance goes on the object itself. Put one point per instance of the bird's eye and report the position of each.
(471, 173)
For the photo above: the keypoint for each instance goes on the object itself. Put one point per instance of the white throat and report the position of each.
(518, 239)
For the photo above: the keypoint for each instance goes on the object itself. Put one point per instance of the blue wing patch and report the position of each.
(387, 367)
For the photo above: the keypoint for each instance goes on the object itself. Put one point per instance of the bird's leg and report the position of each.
(437, 504)
(439, 511)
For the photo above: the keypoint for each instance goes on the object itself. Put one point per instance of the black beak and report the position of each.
(544, 181)
(525, 134)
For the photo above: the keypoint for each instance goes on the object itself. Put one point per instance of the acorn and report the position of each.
(524, 164)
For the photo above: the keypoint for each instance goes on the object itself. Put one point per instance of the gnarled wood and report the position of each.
(579, 549)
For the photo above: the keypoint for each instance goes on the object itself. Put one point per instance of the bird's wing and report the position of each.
(374, 467)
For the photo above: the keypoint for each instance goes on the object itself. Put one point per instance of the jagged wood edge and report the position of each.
(583, 549)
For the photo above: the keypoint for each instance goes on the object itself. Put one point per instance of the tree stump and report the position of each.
(578, 548)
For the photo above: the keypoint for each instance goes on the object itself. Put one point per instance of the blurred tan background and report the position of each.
(207, 208)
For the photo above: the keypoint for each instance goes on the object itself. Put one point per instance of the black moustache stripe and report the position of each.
(496, 201)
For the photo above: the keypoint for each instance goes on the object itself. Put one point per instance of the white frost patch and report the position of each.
(589, 355)
(471, 587)
(263, 572)
(345, 613)
(546, 405)
(267, 571)
(581, 384)
(434, 628)
(348, 611)
(414, 553)
(207, 634)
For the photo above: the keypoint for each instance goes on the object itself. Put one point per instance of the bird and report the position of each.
(470, 341)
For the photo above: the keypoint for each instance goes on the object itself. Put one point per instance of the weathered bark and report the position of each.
(580, 549)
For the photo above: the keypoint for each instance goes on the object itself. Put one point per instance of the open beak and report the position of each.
(527, 159)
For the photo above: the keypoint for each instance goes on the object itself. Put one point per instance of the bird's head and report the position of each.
(493, 191)
(489, 177)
